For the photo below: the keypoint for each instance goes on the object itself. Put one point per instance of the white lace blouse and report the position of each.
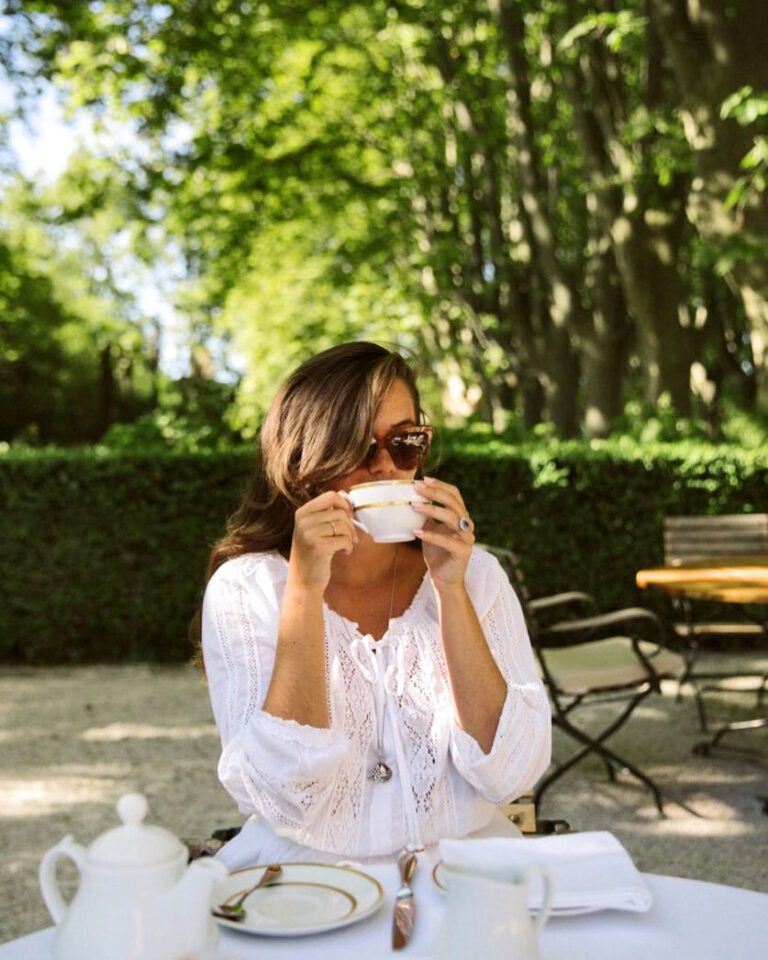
(390, 697)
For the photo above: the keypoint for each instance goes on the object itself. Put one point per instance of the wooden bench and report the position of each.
(688, 539)
(691, 539)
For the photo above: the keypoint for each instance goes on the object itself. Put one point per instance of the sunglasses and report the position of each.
(407, 448)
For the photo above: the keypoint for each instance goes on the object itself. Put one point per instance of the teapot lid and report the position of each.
(133, 844)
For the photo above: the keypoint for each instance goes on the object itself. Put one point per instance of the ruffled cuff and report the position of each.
(282, 751)
(520, 751)
(267, 724)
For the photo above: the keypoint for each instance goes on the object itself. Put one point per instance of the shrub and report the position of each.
(104, 554)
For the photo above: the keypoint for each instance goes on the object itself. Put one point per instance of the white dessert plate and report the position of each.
(306, 898)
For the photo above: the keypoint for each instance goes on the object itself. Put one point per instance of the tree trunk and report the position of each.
(646, 248)
(563, 384)
(644, 220)
(107, 389)
(560, 316)
(533, 402)
(605, 339)
(716, 49)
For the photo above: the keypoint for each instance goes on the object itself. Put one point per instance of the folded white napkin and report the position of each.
(590, 871)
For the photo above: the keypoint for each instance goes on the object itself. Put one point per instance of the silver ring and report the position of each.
(465, 524)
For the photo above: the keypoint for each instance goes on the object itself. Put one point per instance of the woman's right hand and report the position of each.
(322, 527)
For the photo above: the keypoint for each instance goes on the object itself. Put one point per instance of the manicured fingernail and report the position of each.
(429, 479)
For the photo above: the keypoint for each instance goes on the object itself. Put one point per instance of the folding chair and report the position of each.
(617, 656)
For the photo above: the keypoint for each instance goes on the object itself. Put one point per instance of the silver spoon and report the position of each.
(233, 907)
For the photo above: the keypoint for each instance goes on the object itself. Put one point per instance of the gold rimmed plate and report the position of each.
(307, 898)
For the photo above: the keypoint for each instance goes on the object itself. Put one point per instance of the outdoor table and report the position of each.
(689, 920)
(740, 580)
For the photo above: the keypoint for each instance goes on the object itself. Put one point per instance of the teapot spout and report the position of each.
(192, 898)
(192, 892)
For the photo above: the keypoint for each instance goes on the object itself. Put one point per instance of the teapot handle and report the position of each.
(541, 917)
(49, 885)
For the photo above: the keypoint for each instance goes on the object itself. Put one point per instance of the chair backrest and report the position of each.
(511, 566)
(699, 538)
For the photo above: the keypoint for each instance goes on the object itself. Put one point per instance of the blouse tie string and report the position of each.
(364, 657)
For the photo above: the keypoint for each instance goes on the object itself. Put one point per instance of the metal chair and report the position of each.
(598, 657)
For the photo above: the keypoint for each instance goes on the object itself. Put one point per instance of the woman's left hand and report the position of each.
(448, 535)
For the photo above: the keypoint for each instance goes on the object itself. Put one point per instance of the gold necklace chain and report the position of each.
(392, 590)
(380, 772)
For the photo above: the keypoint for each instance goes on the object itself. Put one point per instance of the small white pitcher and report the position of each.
(487, 916)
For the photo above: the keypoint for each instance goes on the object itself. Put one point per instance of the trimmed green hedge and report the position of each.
(103, 555)
(588, 517)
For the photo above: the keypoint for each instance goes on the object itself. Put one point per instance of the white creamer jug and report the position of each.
(487, 916)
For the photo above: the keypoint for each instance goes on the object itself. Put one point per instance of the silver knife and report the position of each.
(404, 915)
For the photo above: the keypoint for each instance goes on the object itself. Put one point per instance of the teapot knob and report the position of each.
(132, 808)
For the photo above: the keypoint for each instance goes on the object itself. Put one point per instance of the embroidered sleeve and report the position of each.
(521, 749)
(278, 768)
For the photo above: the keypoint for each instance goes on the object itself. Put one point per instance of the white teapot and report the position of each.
(137, 898)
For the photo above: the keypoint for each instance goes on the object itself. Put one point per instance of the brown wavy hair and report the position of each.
(318, 428)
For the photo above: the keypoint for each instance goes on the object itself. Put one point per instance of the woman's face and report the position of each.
(396, 412)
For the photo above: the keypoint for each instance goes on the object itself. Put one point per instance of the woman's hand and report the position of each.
(321, 528)
(447, 547)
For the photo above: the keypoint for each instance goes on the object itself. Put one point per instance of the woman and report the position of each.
(368, 695)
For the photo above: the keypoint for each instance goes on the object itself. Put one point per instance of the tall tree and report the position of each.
(515, 172)
(717, 49)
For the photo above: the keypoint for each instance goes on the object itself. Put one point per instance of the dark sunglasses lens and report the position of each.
(371, 454)
(408, 450)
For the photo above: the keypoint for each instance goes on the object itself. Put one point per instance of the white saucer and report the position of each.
(306, 898)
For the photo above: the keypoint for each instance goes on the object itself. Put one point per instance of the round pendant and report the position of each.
(380, 773)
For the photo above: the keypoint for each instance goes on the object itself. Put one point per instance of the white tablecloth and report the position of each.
(689, 920)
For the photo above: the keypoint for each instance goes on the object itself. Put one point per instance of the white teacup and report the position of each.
(383, 509)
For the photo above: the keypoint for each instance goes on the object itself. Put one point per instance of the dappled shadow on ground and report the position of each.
(72, 740)
(713, 824)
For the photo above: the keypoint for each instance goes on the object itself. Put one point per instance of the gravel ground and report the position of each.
(72, 740)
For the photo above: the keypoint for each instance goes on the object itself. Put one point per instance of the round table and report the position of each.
(689, 920)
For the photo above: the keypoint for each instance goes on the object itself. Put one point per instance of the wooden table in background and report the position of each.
(737, 580)
(740, 580)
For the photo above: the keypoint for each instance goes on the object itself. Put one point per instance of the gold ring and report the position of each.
(333, 527)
